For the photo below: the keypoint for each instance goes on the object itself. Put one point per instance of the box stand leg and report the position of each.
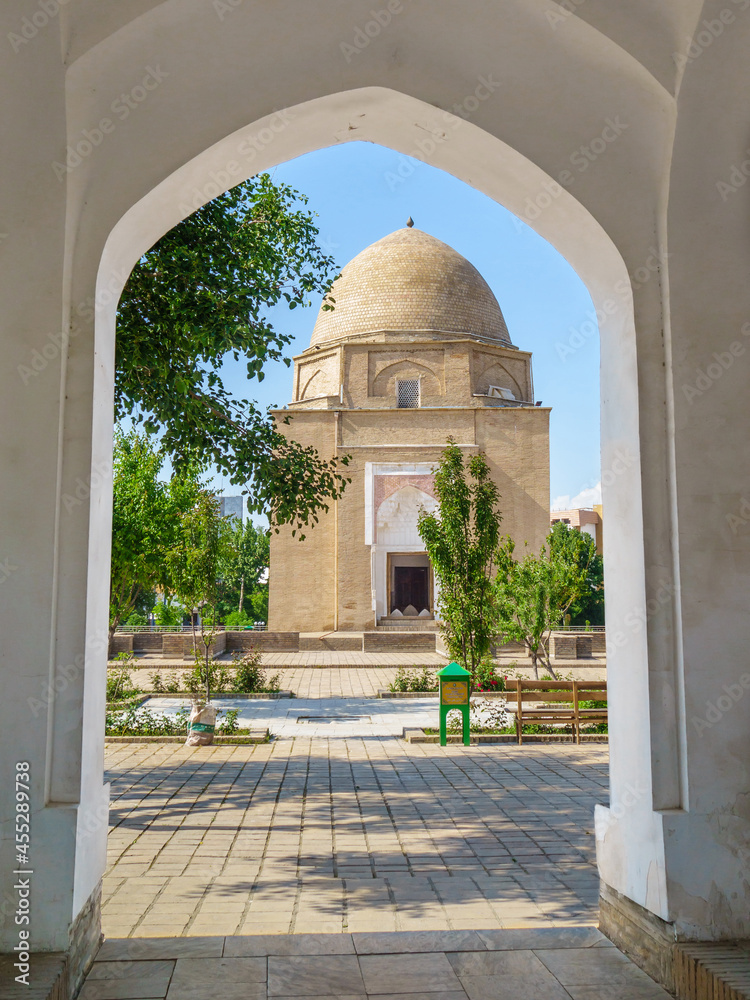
(464, 710)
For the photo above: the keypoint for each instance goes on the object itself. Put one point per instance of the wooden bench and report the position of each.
(556, 703)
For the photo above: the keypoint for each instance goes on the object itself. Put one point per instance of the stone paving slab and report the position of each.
(323, 717)
(353, 834)
(543, 964)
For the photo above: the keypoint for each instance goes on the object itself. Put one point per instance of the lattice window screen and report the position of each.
(408, 393)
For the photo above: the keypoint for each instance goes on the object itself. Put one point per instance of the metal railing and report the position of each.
(173, 630)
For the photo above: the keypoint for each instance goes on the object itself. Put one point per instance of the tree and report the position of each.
(242, 566)
(200, 294)
(461, 539)
(534, 594)
(146, 515)
(193, 572)
(580, 548)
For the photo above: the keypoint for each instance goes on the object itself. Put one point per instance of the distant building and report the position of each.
(415, 351)
(232, 507)
(586, 519)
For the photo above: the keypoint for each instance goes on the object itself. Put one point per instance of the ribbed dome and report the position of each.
(410, 282)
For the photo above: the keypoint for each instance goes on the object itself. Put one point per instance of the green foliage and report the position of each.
(229, 725)
(169, 614)
(136, 620)
(461, 539)
(238, 620)
(206, 677)
(193, 565)
(144, 722)
(249, 677)
(200, 294)
(579, 549)
(535, 593)
(146, 514)
(157, 685)
(423, 679)
(120, 685)
(244, 561)
(487, 677)
(259, 602)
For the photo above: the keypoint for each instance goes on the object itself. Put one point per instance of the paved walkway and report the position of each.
(307, 682)
(558, 964)
(327, 717)
(358, 834)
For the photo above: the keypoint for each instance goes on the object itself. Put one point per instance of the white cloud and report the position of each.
(586, 498)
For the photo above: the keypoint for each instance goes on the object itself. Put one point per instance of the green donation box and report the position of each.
(454, 693)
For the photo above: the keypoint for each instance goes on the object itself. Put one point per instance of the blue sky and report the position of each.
(359, 196)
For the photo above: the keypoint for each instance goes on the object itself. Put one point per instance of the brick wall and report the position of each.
(280, 642)
(384, 642)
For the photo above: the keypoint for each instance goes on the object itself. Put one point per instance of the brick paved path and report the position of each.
(350, 835)
(305, 682)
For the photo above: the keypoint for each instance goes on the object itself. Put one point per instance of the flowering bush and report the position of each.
(484, 716)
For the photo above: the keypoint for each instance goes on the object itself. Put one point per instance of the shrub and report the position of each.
(144, 722)
(484, 717)
(120, 685)
(156, 682)
(229, 725)
(416, 679)
(172, 683)
(249, 676)
(195, 681)
(487, 678)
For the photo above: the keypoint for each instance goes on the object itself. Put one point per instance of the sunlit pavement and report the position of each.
(327, 717)
(350, 834)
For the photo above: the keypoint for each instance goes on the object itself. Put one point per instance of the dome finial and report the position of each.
(410, 222)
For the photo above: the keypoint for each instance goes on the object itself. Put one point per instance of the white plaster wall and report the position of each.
(397, 519)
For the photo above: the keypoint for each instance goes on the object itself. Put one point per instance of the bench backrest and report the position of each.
(550, 692)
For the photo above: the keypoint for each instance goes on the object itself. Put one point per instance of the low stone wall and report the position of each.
(122, 642)
(386, 642)
(147, 642)
(266, 642)
(328, 643)
(572, 646)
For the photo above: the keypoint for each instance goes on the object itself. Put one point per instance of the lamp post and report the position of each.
(454, 693)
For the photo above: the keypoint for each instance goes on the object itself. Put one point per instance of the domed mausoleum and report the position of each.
(415, 351)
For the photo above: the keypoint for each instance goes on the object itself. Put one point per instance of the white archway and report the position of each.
(400, 122)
